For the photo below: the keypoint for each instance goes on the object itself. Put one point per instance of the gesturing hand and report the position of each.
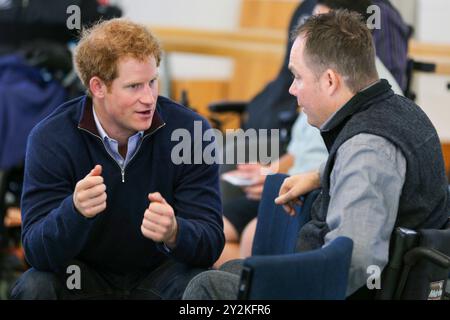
(89, 197)
(295, 186)
(159, 223)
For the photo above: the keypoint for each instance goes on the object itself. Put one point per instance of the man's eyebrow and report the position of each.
(156, 75)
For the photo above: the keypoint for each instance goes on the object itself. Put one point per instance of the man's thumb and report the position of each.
(97, 171)
(156, 197)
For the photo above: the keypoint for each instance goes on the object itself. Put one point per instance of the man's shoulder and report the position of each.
(368, 141)
(369, 145)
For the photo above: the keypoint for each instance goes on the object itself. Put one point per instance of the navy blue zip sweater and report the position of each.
(65, 146)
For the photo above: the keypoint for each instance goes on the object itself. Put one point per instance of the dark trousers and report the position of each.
(168, 281)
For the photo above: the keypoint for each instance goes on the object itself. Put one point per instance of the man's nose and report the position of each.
(291, 89)
(147, 96)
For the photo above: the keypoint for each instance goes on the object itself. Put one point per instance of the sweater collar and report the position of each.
(356, 103)
(359, 102)
(87, 121)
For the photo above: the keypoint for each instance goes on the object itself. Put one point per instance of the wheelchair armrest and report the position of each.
(424, 66)
(228, 106)
(413, 256)
(430, 254)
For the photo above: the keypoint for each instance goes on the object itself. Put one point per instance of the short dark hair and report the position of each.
(340, 40)
(359, 6)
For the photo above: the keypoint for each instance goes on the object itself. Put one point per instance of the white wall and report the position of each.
(199, 14)
(208, 14)
(433, 26)
(433, 23)
(407, 9)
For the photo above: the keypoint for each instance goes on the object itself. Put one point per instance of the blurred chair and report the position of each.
(412, 67)
(274, 271)
(273, 220)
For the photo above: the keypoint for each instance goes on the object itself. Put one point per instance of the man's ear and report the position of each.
(97, 87)
(331, 81)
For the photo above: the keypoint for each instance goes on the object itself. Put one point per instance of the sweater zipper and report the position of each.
(122, 168)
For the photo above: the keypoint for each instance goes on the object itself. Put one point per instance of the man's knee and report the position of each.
(234, 266)
(212, 285)
(34, 284)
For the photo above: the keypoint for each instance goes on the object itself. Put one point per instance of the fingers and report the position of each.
(92, 192)
(89, 182)
(248, 167)
(286, 191)
(288, 196)
(95, 201)
(92, 178)
(151, 234)
(92, 211)
(159, 223)
(160, 210)
(156, 222)
(89, 196)
(289, 209)
(290, 206)
(284, 198)
(254, 192)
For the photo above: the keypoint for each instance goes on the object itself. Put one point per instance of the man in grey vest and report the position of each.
(385, 166)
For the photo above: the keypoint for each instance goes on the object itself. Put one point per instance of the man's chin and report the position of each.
(143, 126)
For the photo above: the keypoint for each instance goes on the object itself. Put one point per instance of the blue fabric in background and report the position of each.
(25, 99)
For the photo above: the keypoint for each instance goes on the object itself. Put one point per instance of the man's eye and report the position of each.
(135, 86)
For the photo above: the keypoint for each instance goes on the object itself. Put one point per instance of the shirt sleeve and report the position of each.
(365, 187)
